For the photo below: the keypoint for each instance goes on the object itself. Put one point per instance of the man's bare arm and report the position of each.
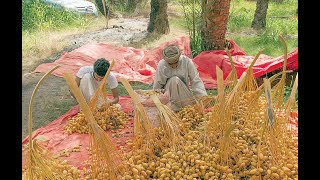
(115, 96)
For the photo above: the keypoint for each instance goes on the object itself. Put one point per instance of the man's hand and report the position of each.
(160, 90)
(104, 106)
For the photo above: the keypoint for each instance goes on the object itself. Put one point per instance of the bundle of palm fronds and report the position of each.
(207, 101)
(244, 93)
(278, 94)
(291, 102)
(271, 126)
(277, 134)
(144, 135)
(226, 146)
(214, 121)
(257, 95)
(105, 161)
(224, 118)
(169, 124)
(228, 111)
(250, 83)
(39, 164)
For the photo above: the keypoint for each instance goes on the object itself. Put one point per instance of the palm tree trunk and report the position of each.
(260, 15)
(158, 17)
(214, 18)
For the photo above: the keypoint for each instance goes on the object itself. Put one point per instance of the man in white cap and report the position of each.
(175, 73)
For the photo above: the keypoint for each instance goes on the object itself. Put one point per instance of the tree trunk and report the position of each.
(260, 15)
(100, 8)
(158, 17)
(214, 18)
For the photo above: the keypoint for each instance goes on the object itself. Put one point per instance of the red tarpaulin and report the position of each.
(208, 60)
(139, 65)
(59, 140)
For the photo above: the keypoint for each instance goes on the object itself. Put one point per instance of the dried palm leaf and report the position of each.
(105, 160)
(226, 145)
(232, 77)
(39, 164)
(279, 88)
(250, 83)
(144, 131)
(169, 123)
(273, 124)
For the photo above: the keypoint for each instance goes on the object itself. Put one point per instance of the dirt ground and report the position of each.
(53, 98)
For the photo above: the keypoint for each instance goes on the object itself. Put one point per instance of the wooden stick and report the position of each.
(32, 151)
(79, 97)
(220, 84)
(236, 88)
(135, 99)
(255, 59)
(32, 99)
(269, 101)
(283, 42)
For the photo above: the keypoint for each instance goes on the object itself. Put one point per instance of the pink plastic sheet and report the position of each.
(139, 64)
(59, 140)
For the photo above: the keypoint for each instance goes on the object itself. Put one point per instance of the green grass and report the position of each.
(37, 16)
(271, 44)
(40, 25)
(240, 16)
(135, 86)
(281, 20)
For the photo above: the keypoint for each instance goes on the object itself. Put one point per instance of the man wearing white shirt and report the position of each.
(88, 78)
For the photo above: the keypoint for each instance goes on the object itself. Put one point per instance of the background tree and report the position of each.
(158, 17)
(214, 23)
(100, 3)
(139, 6)
(192, 19)
(260, 15)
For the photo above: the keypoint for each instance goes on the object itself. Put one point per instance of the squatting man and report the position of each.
(175, 73)
(88, 78)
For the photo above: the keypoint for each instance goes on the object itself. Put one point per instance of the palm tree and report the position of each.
(260, 15)
(214, 18)
(158, 17)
